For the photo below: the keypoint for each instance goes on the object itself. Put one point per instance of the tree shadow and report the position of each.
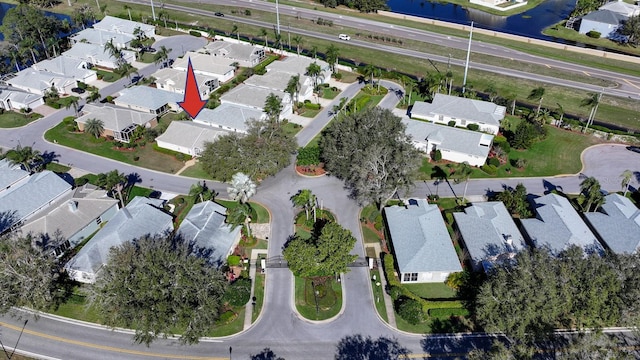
(549, 187)
(366, 348)
(49, 157)
(266, 354)
(7, 219)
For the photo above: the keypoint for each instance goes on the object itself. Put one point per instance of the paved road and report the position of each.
(628, 86)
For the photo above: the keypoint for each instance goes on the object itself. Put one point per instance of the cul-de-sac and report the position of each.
(319, 179)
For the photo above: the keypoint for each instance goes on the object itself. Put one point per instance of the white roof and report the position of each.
(140, 217)
(147, 97)
(243, 52)
(178, 79)
(206, 63)
(114, 118)
(115, 24)
(88, 52)
(40, 80)
(20, 97)
(230, 116)
(252, 96)
(101, 37)
(296, 64)
(450, 138)
(276, 79)
(190, 135)
(483, 112)
(65, 66)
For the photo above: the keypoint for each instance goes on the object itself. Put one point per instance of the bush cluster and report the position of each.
(308, 156)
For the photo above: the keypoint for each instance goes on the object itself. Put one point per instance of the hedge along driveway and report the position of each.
(147, 157)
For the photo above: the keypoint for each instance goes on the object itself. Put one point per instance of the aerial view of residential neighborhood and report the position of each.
(320, 179)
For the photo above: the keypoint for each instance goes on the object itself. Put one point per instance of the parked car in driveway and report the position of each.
(77, 90)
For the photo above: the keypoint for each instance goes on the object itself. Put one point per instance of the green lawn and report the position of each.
(147, 157)
(378, 296)
(291, 128)
(139, 191)
(12, 119)
(258, 292)
(75, 308)
(196, 171)
(233, 327)
(370, 237)
(432, 290)
(329, 93)
(108, 76)
(309, 113)
(261, 214)
(57, 168)
(329, 305)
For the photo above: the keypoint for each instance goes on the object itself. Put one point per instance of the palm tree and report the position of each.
(234, 30)
(537, 94)
(113, 181)
(73, 101)
(560, 111)
(491, 91)
(293, 88)
(263, 33)
(463, 173)
(305, 199)
(24, 156)
(368, 71)
(200, 192)
(273, 107)
(331, 55)
(511, 98)
(162, 56)
(314, 51)
(94, 127)
(113, 50)
(298, 40)
(242, 188)
(314, 70)
(240, 215)
(163, 16)
(592, 100)
(409, 87)
(590, 194)
(626, 179)
(128, 8)
(449, 80)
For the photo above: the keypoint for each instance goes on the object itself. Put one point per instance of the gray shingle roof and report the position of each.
(558, 226)
(420, 238)
(147, 97)
(214, 65)
(621, 7)
(114, 118)
(190, 135)
(605, 17)
(454, 139)
(111, 23)
(140, 217)
(101, 37)
(10, 174)
(485, 228)
(296, 64)
(618, 224)
(250, 96)
(243, 52)
(460, 108)
(204, 226)
(229, 116)
(31, 196)
(65, 66)
(273, 80)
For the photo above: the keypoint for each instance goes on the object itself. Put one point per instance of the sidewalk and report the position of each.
(388, 302)
(253, 265)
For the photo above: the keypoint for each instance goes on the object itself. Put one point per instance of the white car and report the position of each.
(344, 37)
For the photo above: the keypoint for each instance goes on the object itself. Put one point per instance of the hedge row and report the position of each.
(177, 154)
(448, 312)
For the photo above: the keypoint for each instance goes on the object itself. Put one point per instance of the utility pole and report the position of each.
(277, 18)
(466, 65)
(9, 356)
(153, 11)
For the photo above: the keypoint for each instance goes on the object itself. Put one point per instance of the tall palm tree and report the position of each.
(511, 98)
(162, 56)
(590, 194)
(263, 33)
(306, 200)
(240, 215)
(94, 127)
(234, 30)
(73, 102)
(24, 156)
(331, 54)
(314, 51)
(368, 71)
(200, 192)
(113, 50)
(463, 173)
(314, 70)
(113, 181)
(128, 8)
(242, 188)
(560, 111)
(449, 80)
(626, 180)
(298, 40)
(592, 100)
(538, 95)
(410, 85)
(293, 88)
(273, 107)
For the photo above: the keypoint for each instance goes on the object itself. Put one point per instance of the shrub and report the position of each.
(437, 155)
(473, 127)
(378, 223)
(195, 33)
(226, 317)
(395, 292)
(448, 312)
(80, 181)
(594, 34)
(312, 106)
(238, 293)
(233, 260)
(451, 123)
(490, 169)
(308, 156)
(109, 99)
(247, 12)
(223, 88)
(494, 161)
(337, 76)
(410, 310)
(136, 158)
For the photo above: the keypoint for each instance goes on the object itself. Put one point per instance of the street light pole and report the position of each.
(466, 65)
(153, 11)
(277, 18)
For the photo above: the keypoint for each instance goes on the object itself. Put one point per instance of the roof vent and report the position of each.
(73, 205)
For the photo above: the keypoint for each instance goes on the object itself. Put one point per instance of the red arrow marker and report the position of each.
(192, 102)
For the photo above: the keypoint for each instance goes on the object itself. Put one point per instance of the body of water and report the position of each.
(529, 23)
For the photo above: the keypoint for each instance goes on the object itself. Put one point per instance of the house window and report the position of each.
(410, 277)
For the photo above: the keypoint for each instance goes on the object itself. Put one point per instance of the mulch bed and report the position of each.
(310, 170)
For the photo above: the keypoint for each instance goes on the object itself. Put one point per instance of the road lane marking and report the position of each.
(107, 348)
(547, 65)
(630, 83)
(586, 73)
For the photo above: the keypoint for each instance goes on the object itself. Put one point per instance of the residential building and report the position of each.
(457, 145)
(101, 37)
(118, 123)
(16, 100)
(462, 111)
(73, 218)
(40, 82)
(278, 80)
(557, 226)
(605, 22)
(205, 228)
(421, 244)
(175, 80)
(620, 7)
(617, 224)
(62, 65)
(149, 100)
(230, 117)
(256, 97)
(188, 137)
(11, 175)
(244, 54)
(97, 55)
(142, 216)
(208, 65)
(299, 64)
(22, 201)
(123, 26)
(489, 234)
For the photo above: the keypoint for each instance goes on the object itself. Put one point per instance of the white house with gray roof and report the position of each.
(142, 216)
(117, 122)
(244, 54)
(22, 201)
(16, 100)
(76, 68)
(278, 80)
(73, 218)
(123, 26)
(617, 224)
(175, 80)
(205, 227)
(298, 65)
(606, 22)
(206, 64)
(11, 175)
(188, 137)
(39, 82)
(622, 8)
(97, 55)
(149, 100)
(256, 97)
(101, 37)
(457, 145)
(557, 226)
(463, 111)
(423, 249)
(489, 234)
(230, 117)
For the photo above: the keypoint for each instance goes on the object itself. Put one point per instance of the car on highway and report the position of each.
(344, 37)
(219, 14)
(77, 90)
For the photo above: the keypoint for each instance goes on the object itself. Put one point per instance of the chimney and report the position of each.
(73, 205)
